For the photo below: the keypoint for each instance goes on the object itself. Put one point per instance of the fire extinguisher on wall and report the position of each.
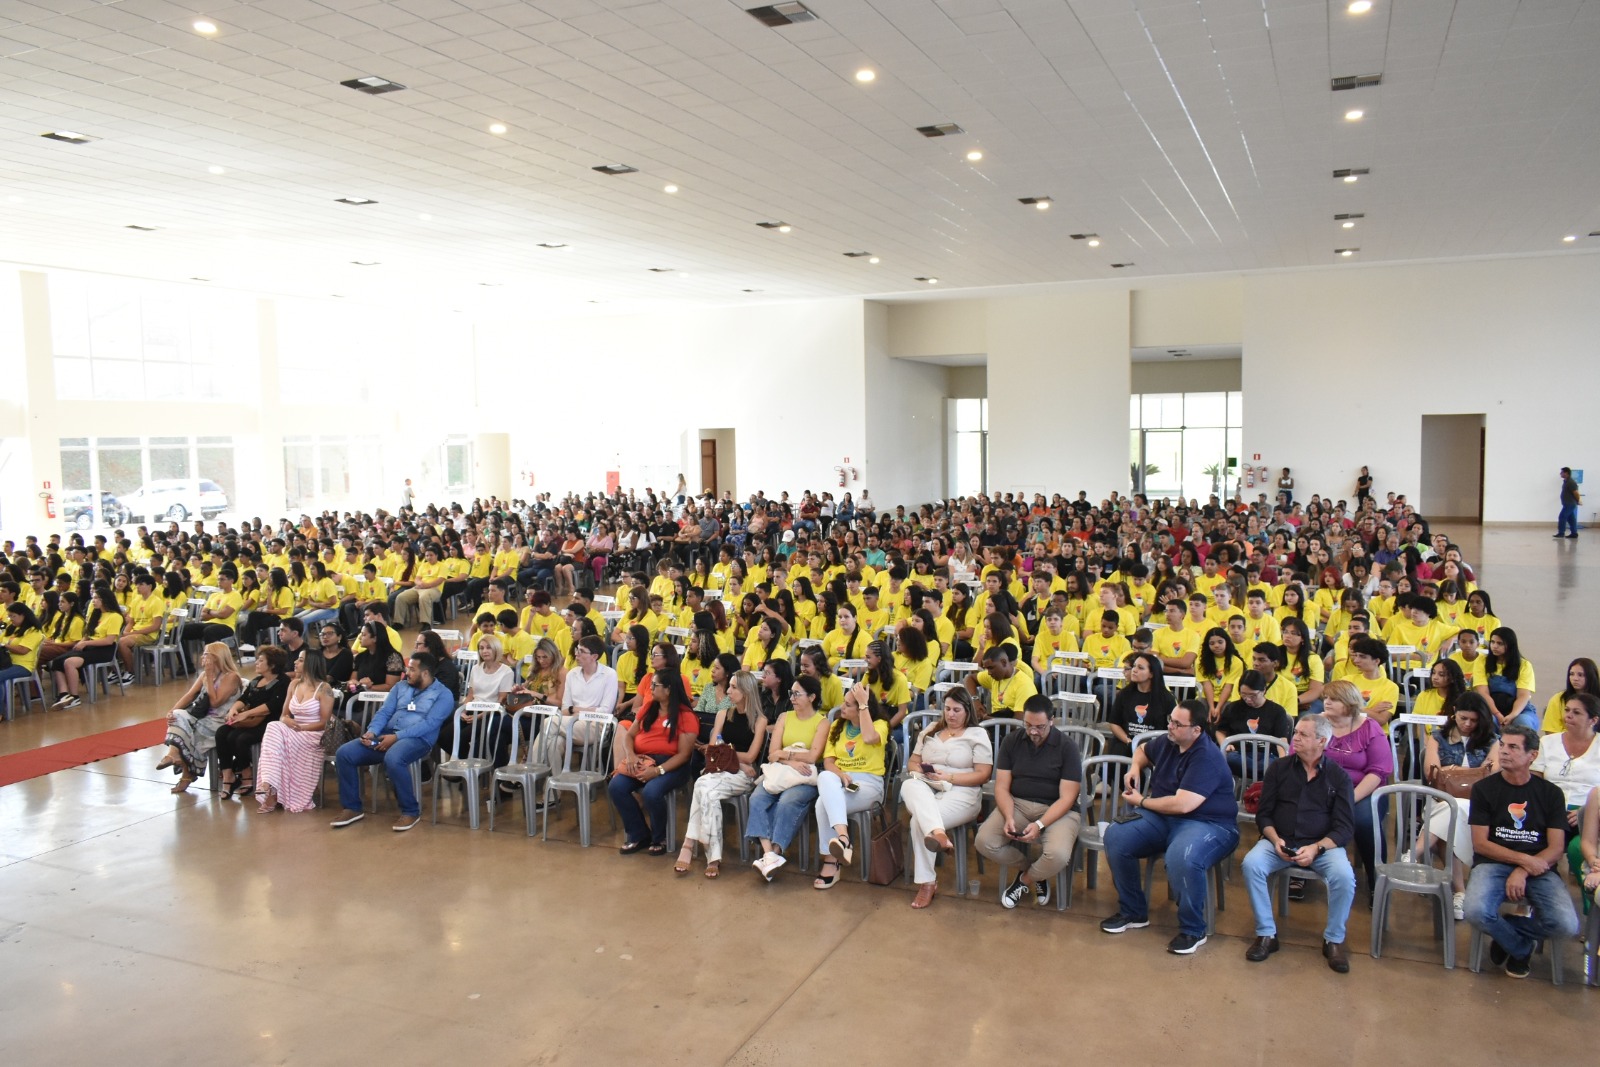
(1249, 477)
(49, 505)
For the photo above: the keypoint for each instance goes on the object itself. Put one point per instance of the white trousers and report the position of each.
(931, 809)
(705, 810)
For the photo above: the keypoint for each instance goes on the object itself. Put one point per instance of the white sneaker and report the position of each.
(769, 863)
(1458, 904)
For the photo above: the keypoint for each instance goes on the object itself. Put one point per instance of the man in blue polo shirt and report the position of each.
(1189, 814)
(402, 732)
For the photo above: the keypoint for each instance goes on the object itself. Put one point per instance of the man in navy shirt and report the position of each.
(402, 732)
(1189, 814)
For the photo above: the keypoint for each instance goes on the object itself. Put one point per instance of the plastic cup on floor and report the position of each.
(973, 887)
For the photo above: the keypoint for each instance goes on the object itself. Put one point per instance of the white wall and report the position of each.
(1058, 392)
(905, 414)
(619, 393)
(1341, 365)
(1188, 311)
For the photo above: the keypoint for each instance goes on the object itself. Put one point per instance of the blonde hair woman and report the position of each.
(193, 721)
(743, 726)
(1360, 746)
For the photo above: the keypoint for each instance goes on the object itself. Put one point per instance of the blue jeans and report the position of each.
(1553, 916)
(1263, 861)
(6, 675)
(1364, 843)
(1191, 847)
(318, 616)
(643, 805)
(777, 817)
(1567, 520)
(353, 755)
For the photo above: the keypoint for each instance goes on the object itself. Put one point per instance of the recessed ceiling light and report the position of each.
(216, 170)
(1040, 202)
(1347, 225)
(1092, 238)
(942, 129)
(1348, 215)
(358, 201)
(874, 259)
(142, 229)
(1094, 242)
(204, 27)
(785, 228)
(781, 14)
(865, 75)
(1570, 237)
(1347, 252)
(68, 136)
(1350, 174)
(615, 168)
(497, 127)
(197, 278)
(1351, 179)
(669, 188)
(750, 290)
(1360, 7)
(372, 85)
(363, 262)
(1353, 114)
(974, 155)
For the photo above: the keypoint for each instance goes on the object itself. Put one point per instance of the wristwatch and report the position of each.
(1321, 849)
(1040, 824)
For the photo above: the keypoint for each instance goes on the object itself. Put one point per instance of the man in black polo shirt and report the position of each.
(1039, 774)
(1519, 830)
(1306, 818)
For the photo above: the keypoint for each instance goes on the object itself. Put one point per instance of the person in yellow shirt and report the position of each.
(1370, 657)
(1416, 624)
(22, 639)
(1218, 670)
(914, 657)
(1468, 653)
(1008, 687)
(768, 643)
(1207, 581)
(415, 603)
(1582, 677)
(1259, 624)
(887, 683)
(1446, 684)
(1480, 616)
(1505, 679)
(1177, 645)
(846, 641)
(98, 645)
(361, 587)
(319, 603)
(871, 617)
(146, 613)
(1337, 661)
(1053, 637)
(539, 619)
(1268, 659)
(519, 643)
(484, 625)
(219, 618)
(814, 664)
(1305, 666)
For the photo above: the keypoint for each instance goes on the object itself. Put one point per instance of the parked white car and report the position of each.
(176, 499)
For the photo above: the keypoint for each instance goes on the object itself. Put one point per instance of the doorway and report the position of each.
(718, 453)
(708, 465)
(1452, 467)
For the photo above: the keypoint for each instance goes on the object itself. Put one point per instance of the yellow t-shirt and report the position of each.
(1173, 644)
(898, 691)
(1480, 673)
(836, 644)
(627, 667)
(1262, 629)
(1007, 697)
(219, 600)
(1226, 674)
(854, 756)
(1283, 693)
(918, 674)
(1047, 644)
(31, 640)
(1377, 691)
(1303, 679)
(1106, 651)
(1429, 702)
(1484, 624)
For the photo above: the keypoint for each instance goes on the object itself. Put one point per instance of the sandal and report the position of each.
(247, 783)
(268, 801)
(823, 881)
(938, 841)
(631, 847)
(925, 894)
(685, 857)
(657, 849)
(228, 785)
(840, 847)
(713, 868)
(184, 783)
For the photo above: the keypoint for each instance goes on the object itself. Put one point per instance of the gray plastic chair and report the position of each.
(1408, 741)
(165, 649)
(1424, 873)
(536, 748)
(1095, 806)
(1090, 742)
(585, 778)
(1256, 753)
(1550, 946)
(471, 753)
(1077, 709)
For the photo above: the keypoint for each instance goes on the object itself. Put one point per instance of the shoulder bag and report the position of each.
(1458, 781)
(888, 851)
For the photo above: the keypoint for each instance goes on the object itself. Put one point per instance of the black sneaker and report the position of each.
(1120, 922)
(1041, 893)
(1184, 944)
(1297, 889)
(1014, 892)
(1497, 954)
(1517, 966)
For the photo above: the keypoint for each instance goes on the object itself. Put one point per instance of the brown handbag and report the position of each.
(721, 759)
(1458, 781)
(888, 852)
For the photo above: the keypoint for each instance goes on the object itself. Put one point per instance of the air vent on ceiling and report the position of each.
(1084, 236)
(1119, 266)
(551, 244)
(372, 85)
(772, 225)
(661, 270)
(1351, 172)
(858, 255)
(142, 229)
(1345, 251)
(750, 290)
(1348, 215)
(1356, 81)
(784, 14)
(616, 168)
(363, 263)
(1594, 233)
(1034, 201)
(68, 137)
(943, 129)
(356, 201)
(1176, 353)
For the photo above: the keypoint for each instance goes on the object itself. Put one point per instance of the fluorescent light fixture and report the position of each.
(615, 168)
(784, 14)
(1355, 114)
(1346, 252)
(372, 85)
(1040, 202)
(874, 259)
(941, 129)
(1359, 7)
(858, 255)
(363, 263)
(1347, 225)
(424, 218)
(930, 281)
(1569, 238)
(974, 156)
(552, 244)
(1094, 242)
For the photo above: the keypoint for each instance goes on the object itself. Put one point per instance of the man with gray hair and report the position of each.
(1306, 818)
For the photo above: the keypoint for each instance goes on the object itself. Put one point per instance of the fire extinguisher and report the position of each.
(49, 505)
(843, 475)
(1249, 477)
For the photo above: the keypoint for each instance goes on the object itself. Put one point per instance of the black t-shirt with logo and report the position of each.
(1240, 718)
(1519, 817)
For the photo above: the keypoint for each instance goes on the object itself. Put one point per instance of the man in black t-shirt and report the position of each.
(1519, 829)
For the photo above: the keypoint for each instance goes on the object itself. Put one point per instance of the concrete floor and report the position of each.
(150, 929)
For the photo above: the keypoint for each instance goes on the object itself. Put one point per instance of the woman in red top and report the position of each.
(652, 759)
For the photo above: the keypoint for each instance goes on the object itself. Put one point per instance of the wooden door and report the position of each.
(708, 466)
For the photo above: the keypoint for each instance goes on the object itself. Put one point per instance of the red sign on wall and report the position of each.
(613, 482)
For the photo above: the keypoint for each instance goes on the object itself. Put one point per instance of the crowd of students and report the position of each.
(1272, 610)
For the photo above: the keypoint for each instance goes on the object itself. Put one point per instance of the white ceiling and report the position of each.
(1191, 135)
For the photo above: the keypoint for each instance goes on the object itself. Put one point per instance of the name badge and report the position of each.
(411, 706)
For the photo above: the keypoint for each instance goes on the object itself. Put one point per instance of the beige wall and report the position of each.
(966, 383)
(1186, 376)
(1450, 459)
(1188, 311)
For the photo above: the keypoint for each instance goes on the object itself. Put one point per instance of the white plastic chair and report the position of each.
(583, 779)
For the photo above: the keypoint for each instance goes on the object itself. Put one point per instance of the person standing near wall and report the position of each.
(407, 497)
(1567, 520)
(1286, 488)
(1363, 487)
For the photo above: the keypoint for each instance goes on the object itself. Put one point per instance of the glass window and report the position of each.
(1205, 409)
(457, 464)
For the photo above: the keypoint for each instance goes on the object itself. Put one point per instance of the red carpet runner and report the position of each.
(21, 766)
